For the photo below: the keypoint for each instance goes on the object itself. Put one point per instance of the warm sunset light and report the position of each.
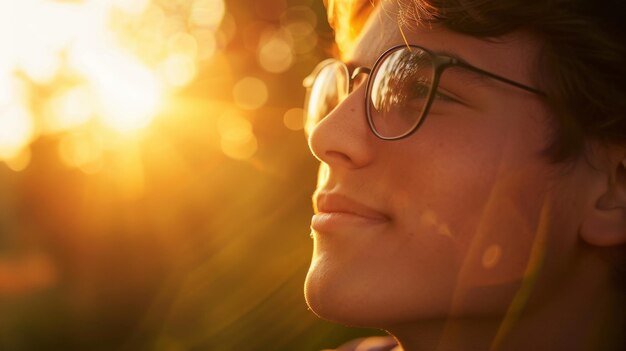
(126, 93)
(294, 119)
(16, 130)
(103, 64)
(237, 139)
(155, 180)
(275, 53)
(250, 93)
(198, 175)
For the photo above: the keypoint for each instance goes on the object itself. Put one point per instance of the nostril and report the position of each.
(338, 156)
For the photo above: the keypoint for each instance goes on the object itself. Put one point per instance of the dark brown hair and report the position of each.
(583, 59)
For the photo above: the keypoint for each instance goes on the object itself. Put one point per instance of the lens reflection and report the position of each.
(399, 91)
(329, 89)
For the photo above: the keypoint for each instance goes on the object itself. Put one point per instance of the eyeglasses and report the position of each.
(401, 88)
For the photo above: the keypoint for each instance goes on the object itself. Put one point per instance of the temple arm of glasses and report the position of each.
(500, 78)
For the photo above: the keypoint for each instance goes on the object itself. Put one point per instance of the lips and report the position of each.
(336, 211)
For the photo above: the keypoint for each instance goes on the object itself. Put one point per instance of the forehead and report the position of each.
(513, 56)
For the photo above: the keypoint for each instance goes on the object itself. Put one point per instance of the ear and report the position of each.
(604, 224)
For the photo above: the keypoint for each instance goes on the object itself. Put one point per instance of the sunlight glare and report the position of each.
(128, 93)
(239, 150)
(178, 70)
(183, 43)
(16, 130)
(33, 29)
(238, 141)
(106, 66)
(207, 13)
(133, 7)
(69, 109)
(207, 43)
(233, 127)
(81, 151)
(12, 90)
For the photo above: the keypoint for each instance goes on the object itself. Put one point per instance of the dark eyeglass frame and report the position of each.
(440, 63)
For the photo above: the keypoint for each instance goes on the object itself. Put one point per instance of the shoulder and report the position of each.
(372, 343)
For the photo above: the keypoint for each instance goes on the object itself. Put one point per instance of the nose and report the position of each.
(343, 138)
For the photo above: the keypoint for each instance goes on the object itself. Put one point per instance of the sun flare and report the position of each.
(104, 65)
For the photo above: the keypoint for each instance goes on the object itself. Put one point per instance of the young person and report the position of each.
(472, 187)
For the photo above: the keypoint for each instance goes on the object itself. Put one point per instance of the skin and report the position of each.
(480, 225)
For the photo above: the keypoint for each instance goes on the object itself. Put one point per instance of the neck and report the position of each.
(581, 312)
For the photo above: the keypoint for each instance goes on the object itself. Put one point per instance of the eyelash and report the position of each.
(439, 96)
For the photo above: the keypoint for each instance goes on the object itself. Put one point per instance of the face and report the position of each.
(448, 221)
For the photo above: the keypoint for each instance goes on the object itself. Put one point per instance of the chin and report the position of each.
(334, 294)
(352, 298)
(331, 299)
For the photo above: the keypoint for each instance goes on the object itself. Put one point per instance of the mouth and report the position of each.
(335, 211)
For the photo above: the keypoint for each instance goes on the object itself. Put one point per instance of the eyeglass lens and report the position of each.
(399, 90)
(328, 90)
(397, 93)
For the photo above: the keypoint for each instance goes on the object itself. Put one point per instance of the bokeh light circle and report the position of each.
(250, 93)
(237, 138)
(275, 54)
(294, 119)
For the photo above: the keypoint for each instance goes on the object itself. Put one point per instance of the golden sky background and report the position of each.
(155, 181)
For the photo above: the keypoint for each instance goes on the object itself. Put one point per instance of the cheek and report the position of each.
(497, 259)
(444, 183)
(486, 197)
